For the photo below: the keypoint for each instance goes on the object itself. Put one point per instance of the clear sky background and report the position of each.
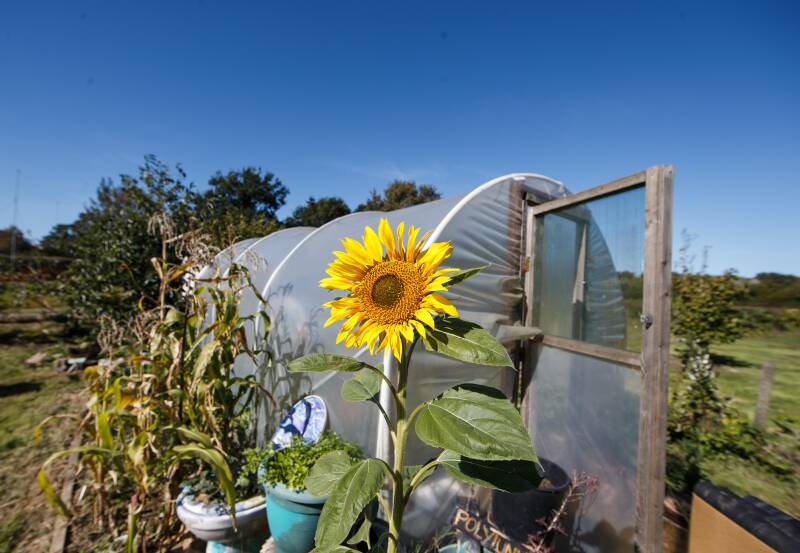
(339, 97)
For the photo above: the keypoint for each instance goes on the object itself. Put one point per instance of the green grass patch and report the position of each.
(9, 530)
(738, 367)
(27, 396)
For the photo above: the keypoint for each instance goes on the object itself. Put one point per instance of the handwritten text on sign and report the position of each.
(485, 533)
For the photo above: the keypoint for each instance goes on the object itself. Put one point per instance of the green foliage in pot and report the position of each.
(290, 465)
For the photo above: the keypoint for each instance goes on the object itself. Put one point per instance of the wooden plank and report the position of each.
(527, 367)
(655, 358)
(624, 183)
(613, 355)
(58, 542)
(764, 393)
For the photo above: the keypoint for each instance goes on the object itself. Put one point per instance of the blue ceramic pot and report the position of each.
(292, 518)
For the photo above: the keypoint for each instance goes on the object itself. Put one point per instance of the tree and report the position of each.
(703, 313)
(59, 241)
(239, 205)
(399, 194)
(317, 212)
(247, 191)
(22, 244)
(113, 241)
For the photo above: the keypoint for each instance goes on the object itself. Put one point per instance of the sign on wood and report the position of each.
(475, 527)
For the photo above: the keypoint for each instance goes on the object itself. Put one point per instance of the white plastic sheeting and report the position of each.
(486, 228)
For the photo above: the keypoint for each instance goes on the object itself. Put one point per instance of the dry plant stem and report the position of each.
(580, 486)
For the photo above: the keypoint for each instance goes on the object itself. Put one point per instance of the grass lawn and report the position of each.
(741, 369)
(738, 367)
(28, 395)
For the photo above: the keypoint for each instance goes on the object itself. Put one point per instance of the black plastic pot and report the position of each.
(519, 514)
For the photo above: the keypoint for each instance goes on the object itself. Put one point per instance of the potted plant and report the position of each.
(534, 506)
(224, 507)
(293, 509)
(204, 511)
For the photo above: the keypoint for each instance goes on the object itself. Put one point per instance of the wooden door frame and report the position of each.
(653, 362)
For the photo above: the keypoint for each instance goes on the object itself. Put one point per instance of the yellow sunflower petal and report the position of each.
(401, 253)
(356, 251)
(408, 332)
(387, 236)
(423, 316)
(419, 327)
(335, 283)
(418, 247)
(440, 303)
(373, 244)
(396, 343)
(412, 237)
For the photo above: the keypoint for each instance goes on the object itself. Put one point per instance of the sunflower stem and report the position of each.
(402, 427)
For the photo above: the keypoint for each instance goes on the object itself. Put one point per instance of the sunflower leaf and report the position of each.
(364, 386)
(477, 422)
(466, 341)
(509, 476)
(322, 362)
(327, 472)
(464, 274)
(410, 471)
(362, 534)
(348, 498)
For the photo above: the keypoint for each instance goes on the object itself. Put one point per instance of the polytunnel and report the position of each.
(567, 286)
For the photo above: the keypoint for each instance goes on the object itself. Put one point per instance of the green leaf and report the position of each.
(203, 358)
(362, 534)
(104, 430)
(349, 497)
(194, 435)
(463, 275)
(327, 472)
(217, 462)
(322, 362)
(52, 496)
(510, 476)
(410, 471)
(333, 549)
(364, 386)
(477, 422)
(466, 341)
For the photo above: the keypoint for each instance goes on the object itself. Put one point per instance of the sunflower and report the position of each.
(392, 286)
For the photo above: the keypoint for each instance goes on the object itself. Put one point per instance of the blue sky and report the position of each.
(340, 97)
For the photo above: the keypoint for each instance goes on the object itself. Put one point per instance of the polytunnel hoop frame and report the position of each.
(653, 362)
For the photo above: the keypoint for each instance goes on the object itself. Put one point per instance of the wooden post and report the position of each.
(655, 359)
(764, 393)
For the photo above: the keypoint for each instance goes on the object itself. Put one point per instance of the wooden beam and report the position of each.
(612, 355)
(58, 539)
(631, 181)
(655, 358)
